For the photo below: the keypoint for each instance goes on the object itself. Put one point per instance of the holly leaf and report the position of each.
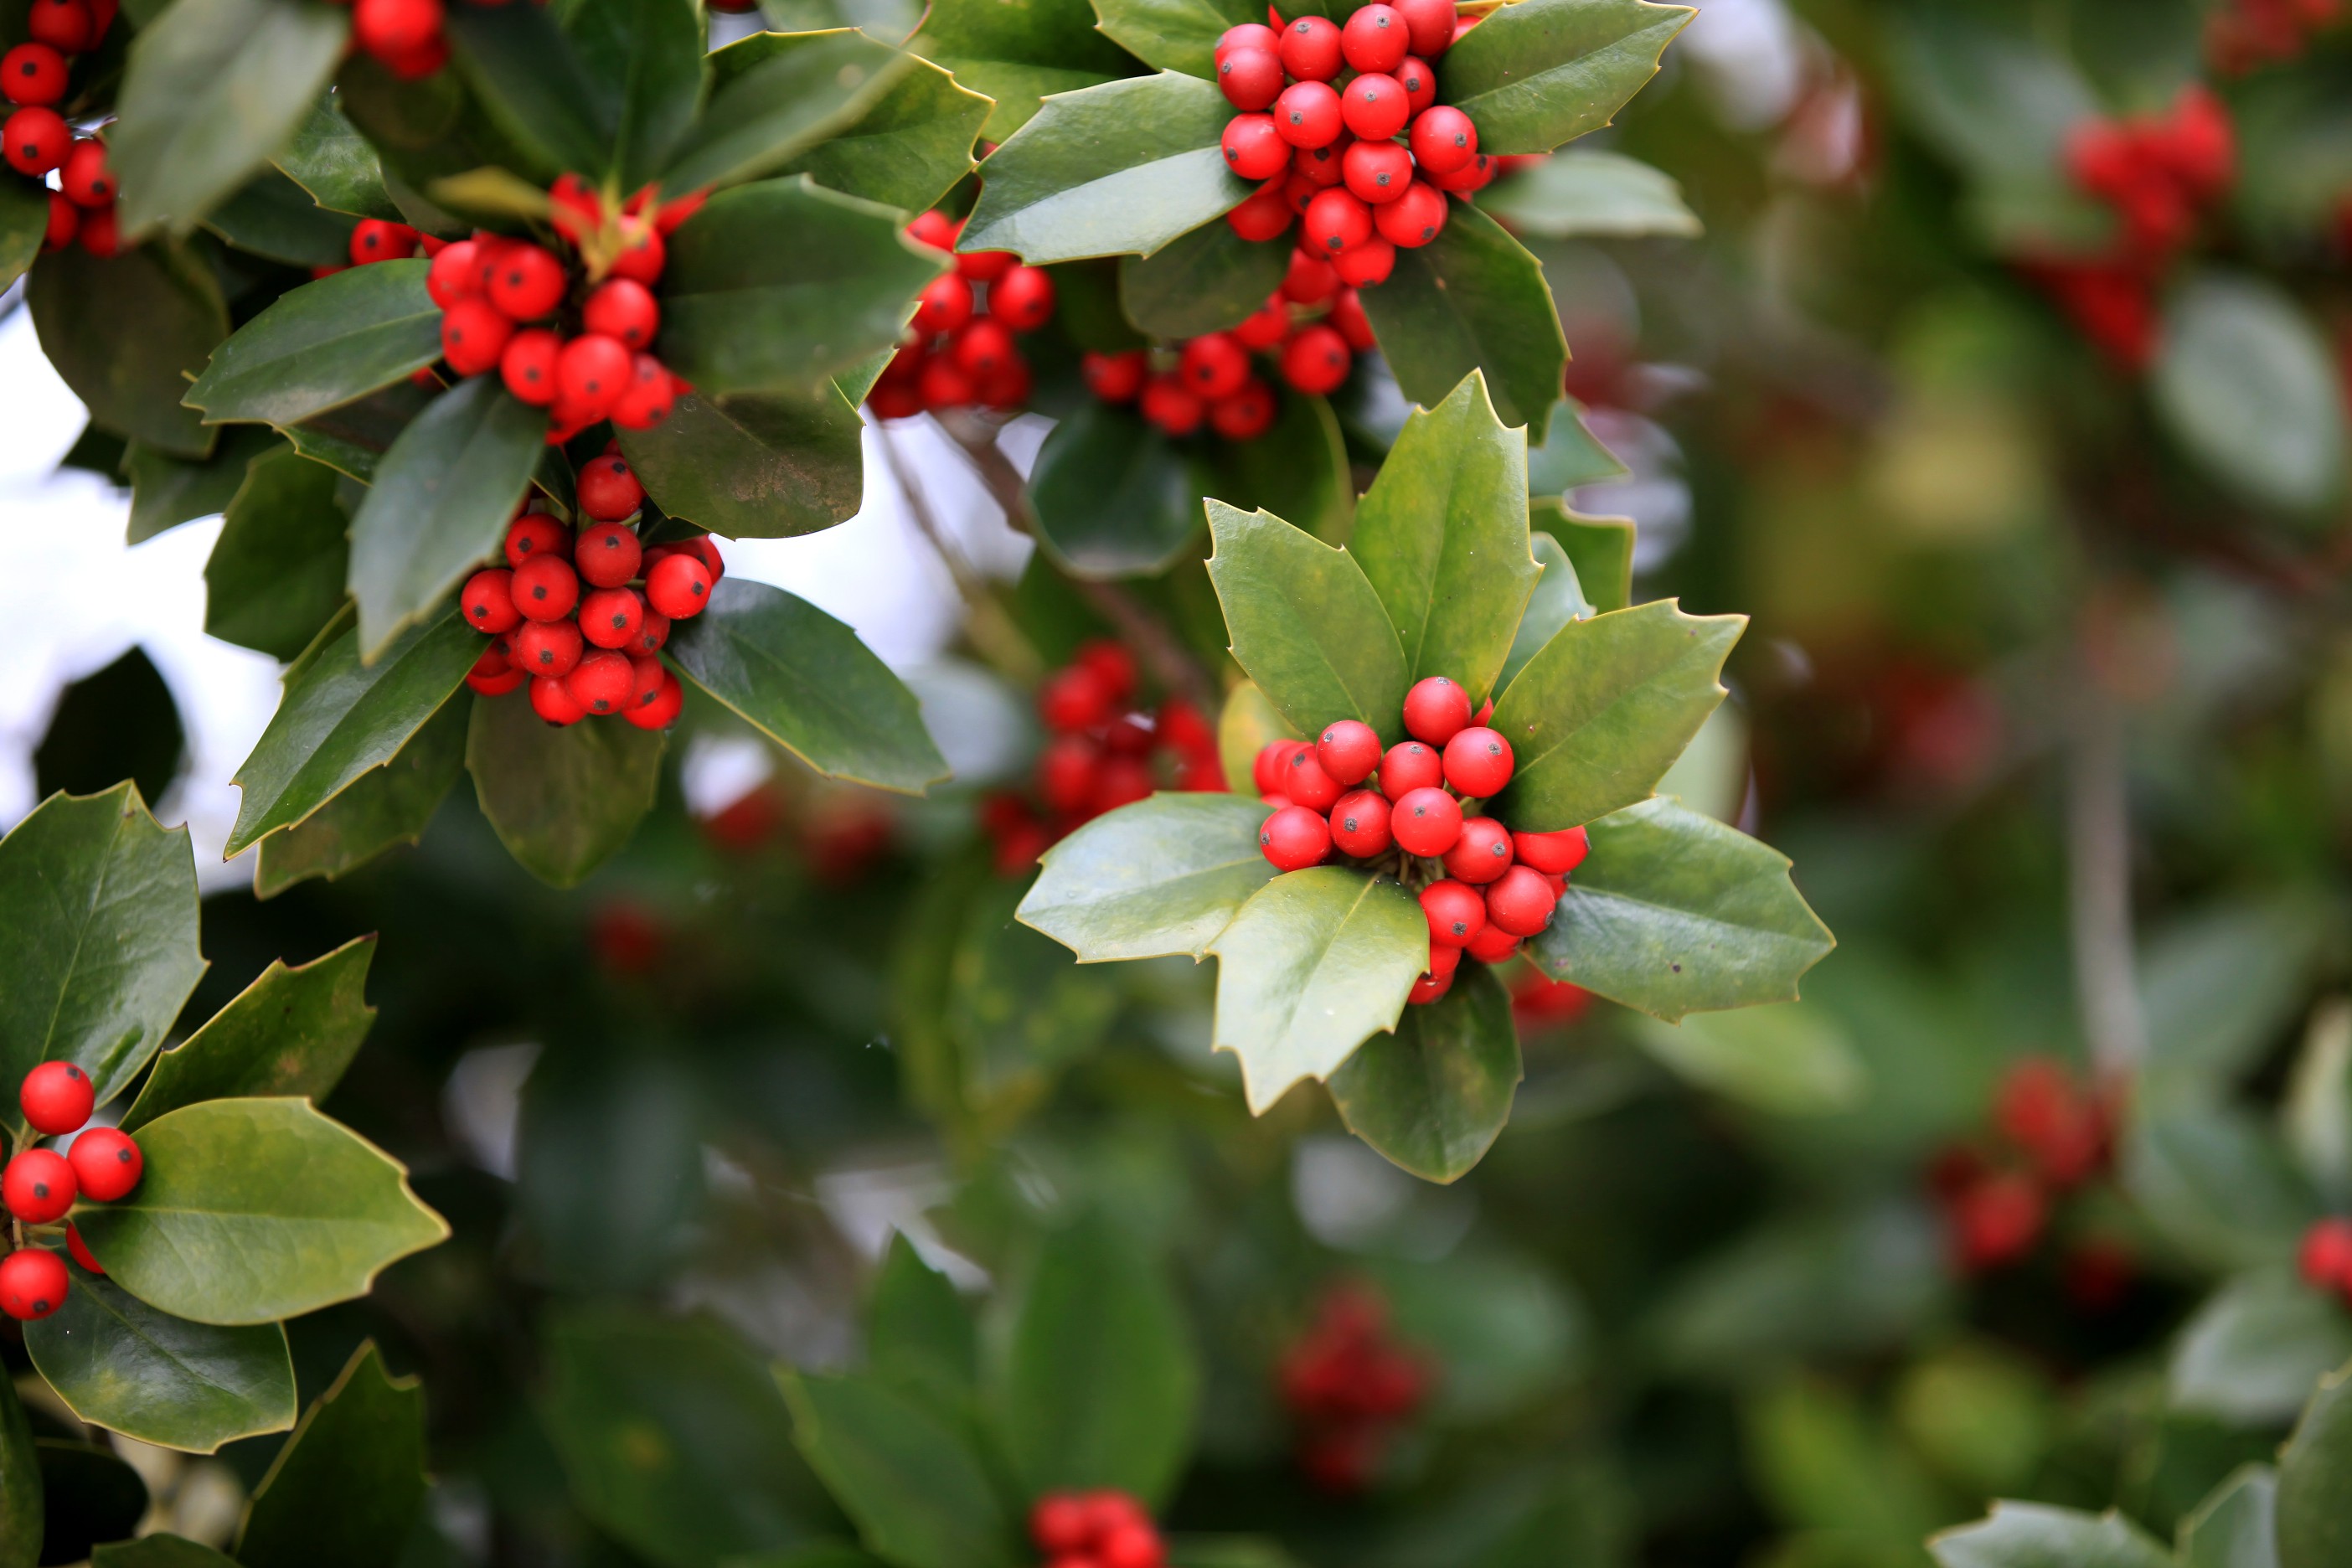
(1316, 962)
(330, 159)
(909, 148)
(388, 806)
(1673, 912)
(276, 573)
(20, 1484)
(778, 285)
(439, 505)
(2315, 1524)
(917, 1332)
(88, 1495)
(291, 1032)
(803, 679)
(2248, 386)
(2236, 1527)
(166, 491)
(1247, 725)
(212, 89)
(341, 718)
(757, 466)
(1433, 1097)
(1472, 299)
(2214, 1181)
(1297, 469)
(1572, 195)
(324, 344)
(101, 937)
(1095, 1383)
(1019, 52)
(646, 57)
(1559, 598)
(1785, 1061)
(2030, 1535)
(1204, 282)
(1568, 457)
(562, 800)
(1175, 35)
(125, 331)
(775, 95)
(1127, 166)
(1113, 495)
(253, 1210)
(24, 226)
(1017, 1007)
(2251, 1352)
(919, 1494)
(119, 1363)
(1306, 625)
(348, 1484)
(353, 439)
(1597, 717)
(1554, 70)
(271, 215)
(1601, 547)
(1163, 875)
(534, 87)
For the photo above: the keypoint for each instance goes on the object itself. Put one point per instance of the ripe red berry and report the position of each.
(1410, 765)
(376, 239)
(1443, 140)
(607, 555)
(1253, 147)
(986, 265)
(545, 588)
(1316, 359)
(1213, 366)
(546, 647)
(944, 304)
(1172, 406)
(1413, 219)
(679, 587)
(1307, 278)
(96, 227)
(1250, 79)
(1266, 768)
(1429, 25)
(1426, 821)
(935, 230)
(1306, 782)
(33, 73)
(601, 681)
(1349, 750)
(1553, 854)
(1478, 761)
(1996, 1221)
(552, 700)
(1436, 709)
(2326, 1256)
(85, 177)
(1493, 945)
(945, 384)
(496, 682)
(32, 1283)
(38, 139)
(653, 631)
(1247, 36)
(663, 710)
(1310, 49)
(525, 280)
(474, 336)
(456, 274)
(1023, 299)
(1263, 216)
(37, 1186)
(1360, 823)
(1482, 854)
(535, 533)
(624, 308)
(1348, 316)
(1247, 414)
(646, 677)
(1376, 38)
(1115, 378)
(489, 601)
(1521, 902)
(1420, 84)
(527, 364)
(609, 617)
(609, 491)
(591, 373)
(1425, 990)
(1375, 107)
(1455, 912)
(1122, 781)
(1363, 266)
(983, 347)
(56, 1099)
(1294, 837)
(106, 1164)
(1472, 176)
(66, 25)
(1309, 113)
(80, 1250)
(1129, 1546)
(1322, 167)
(1074, 698)
(648, 398)
(396, 27)
(1112, 665)
(1377, 172)
(1068, 770)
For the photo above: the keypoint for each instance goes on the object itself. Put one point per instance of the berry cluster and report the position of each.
(840, 830)
(1106, 752)
(1348, 1386)
(1343, 128)
(402, 36)
(591, 652)
(1397, 811)
(2325, 1257)
(2242, 34)
(40, 1185)
(1095, 1529)
(2052, 1135)
(578, 346)
(958, 350)
(36, 139)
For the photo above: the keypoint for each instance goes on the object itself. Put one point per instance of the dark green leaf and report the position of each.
(329, 158)
(1018, 51)
(341, 718)
(23, 225)
(647, 57)
(534, 87)
(324, 344)
(166, 491)
(1113, 495)
(1601, 547)
(919, 1332)
(758, 466)
(919, 1492)
(1794, 1060)
(776, 96)
(1559, 598)
(2314, 1480)
(101, 937)
(1127, 166)
(291, 1032)
(1315, 963)
(346, 1486)
(1434, 1096)
(1572, 194)
(906, 150)
(1175, 34)
(20, 1484)
(1297, 469)
(271, 215)
(2236, 1527)
(2251, 1353)
(2248, 386)
(1018, 1007)
(214, 89)
(119, 1363)
(1306, 625)
(160, 1552)
(2030, 1535)
(804, 680)
(1673, 912)
(276, 573)
(353, 439)
(1989, 93)
(1473, 299)
(1204, 282)
(1542, 73)
(561, 800)
(125, 331)
(778, 285)
(440, 504)
(387, 806)
(608, 1160)
(2214, 1181)
(1163, 875)
(1086, 306)
(1569, 457)
(87, 1495)
(97, 450)
(1597, 718)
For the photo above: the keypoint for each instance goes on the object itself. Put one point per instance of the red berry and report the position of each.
(1426, 821)
(1265, 770)
(1306, 782)
(1247, 36)
(625, 308)
(983, 346)
(1262, 216)
(1122, 781)
(653, 631)
(945, 384)
(1360, 823)
(1376, 38)
(663, 710)
(1023, 299)
(535, 533)
(1294, 838)
(1246, 415)
(56, 1099)
(1472, 176)
(1250, 79)
(1409, 766)
(1074, 698)
(1308, 114)
(106, 1164)
(1521, 902)
(648, 398)
(375, 239)
(1378, 172)
(496, 685)
(1348, 317)
(1253, 147)
(474, 336)
(1425, 990)
(1130, 1546)
(642, 256)
(456, 274)
(1213, 366)
(1115, 378)
(607, 555)
(37, 1186)
(32, 1283)
(1112, 665)
(1172, 406)
(1429, 25)
(1553, 854)
(525, 280)
(64, 222)
(1310, 49)
(935, 230)
(1413, 219)
(1443, 140)
(1482, 854)
(1998, 1220)
(1059, 1522)
(601, 681)
(527, 364)
(545, 588)
(1478, 761)
(84, 176)
(1436, 709)
(647, 677)
(1316, 361)
(488, 602)
(396, 27)
(1322, 165)
(609, 491)
(1349, 750)
(33, 73)
(986, 265)
(609, 617)
(1455, 912)
(1420, 84)
(591, 373)
(552, 700)
(1365, 265)
(944, 304)
(1494, 945)
(2325, 1256)
(80, 1250)
(1375, 107)
(65, 25)
(1067, 772)
(548, 648)
(1268, 326)
(422, 61)
(1307, 278)
(38, 139)
(679, 587)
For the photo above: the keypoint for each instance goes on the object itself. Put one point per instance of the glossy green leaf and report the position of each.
(88, 1495)
(1247, 725)
(778, 285)
(1575, 194)
(119, 1363)
(1542, 73)
(919, 1334)
(646, 57)
(23, 225)
(214, 89)
(1175, 35)
(276, 575)
(561, 800)
(1986, 90)
(1204, 282)
(1601, 547)
(1315, 963)
(1018, 1009)
(20, 1484)
(324, 344)
(2214, 1181)
(329, 158)
(1434, 1096)
(271, 215)
(291, 1032)
(353, 438)
(1095, 1383)
(1306, 625)
(166, 491)
(804, 680)
(125, 331)
(1163, 875)
(2031, 1535)
(101, 906)
(1673, 912)
(253, 1210)
(348, 1484)
(1596, 719)
(909, 148)
(341, 718)
(1124, 167)
(776, 96)
(381, 809)
(758, 466)
(917, 1491)
(1473, 299)
(159, 1551)
(2247, 383)
(1086, 308)
(1019, 51)
(1113, 495)
(439, 505)
(1442, 536)
(534, 87)
(1299, 469)
(2237, 1527)
(1569, 457)
(1559, 598)
(2314, 1480)
(2253, 1351)
(1791, 1059)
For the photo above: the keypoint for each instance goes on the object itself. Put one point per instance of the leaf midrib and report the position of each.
(99, 1299)
(1623, 695)
(1298, 994)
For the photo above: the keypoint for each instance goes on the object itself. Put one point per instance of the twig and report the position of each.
(992, 630)
(2098, 853)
